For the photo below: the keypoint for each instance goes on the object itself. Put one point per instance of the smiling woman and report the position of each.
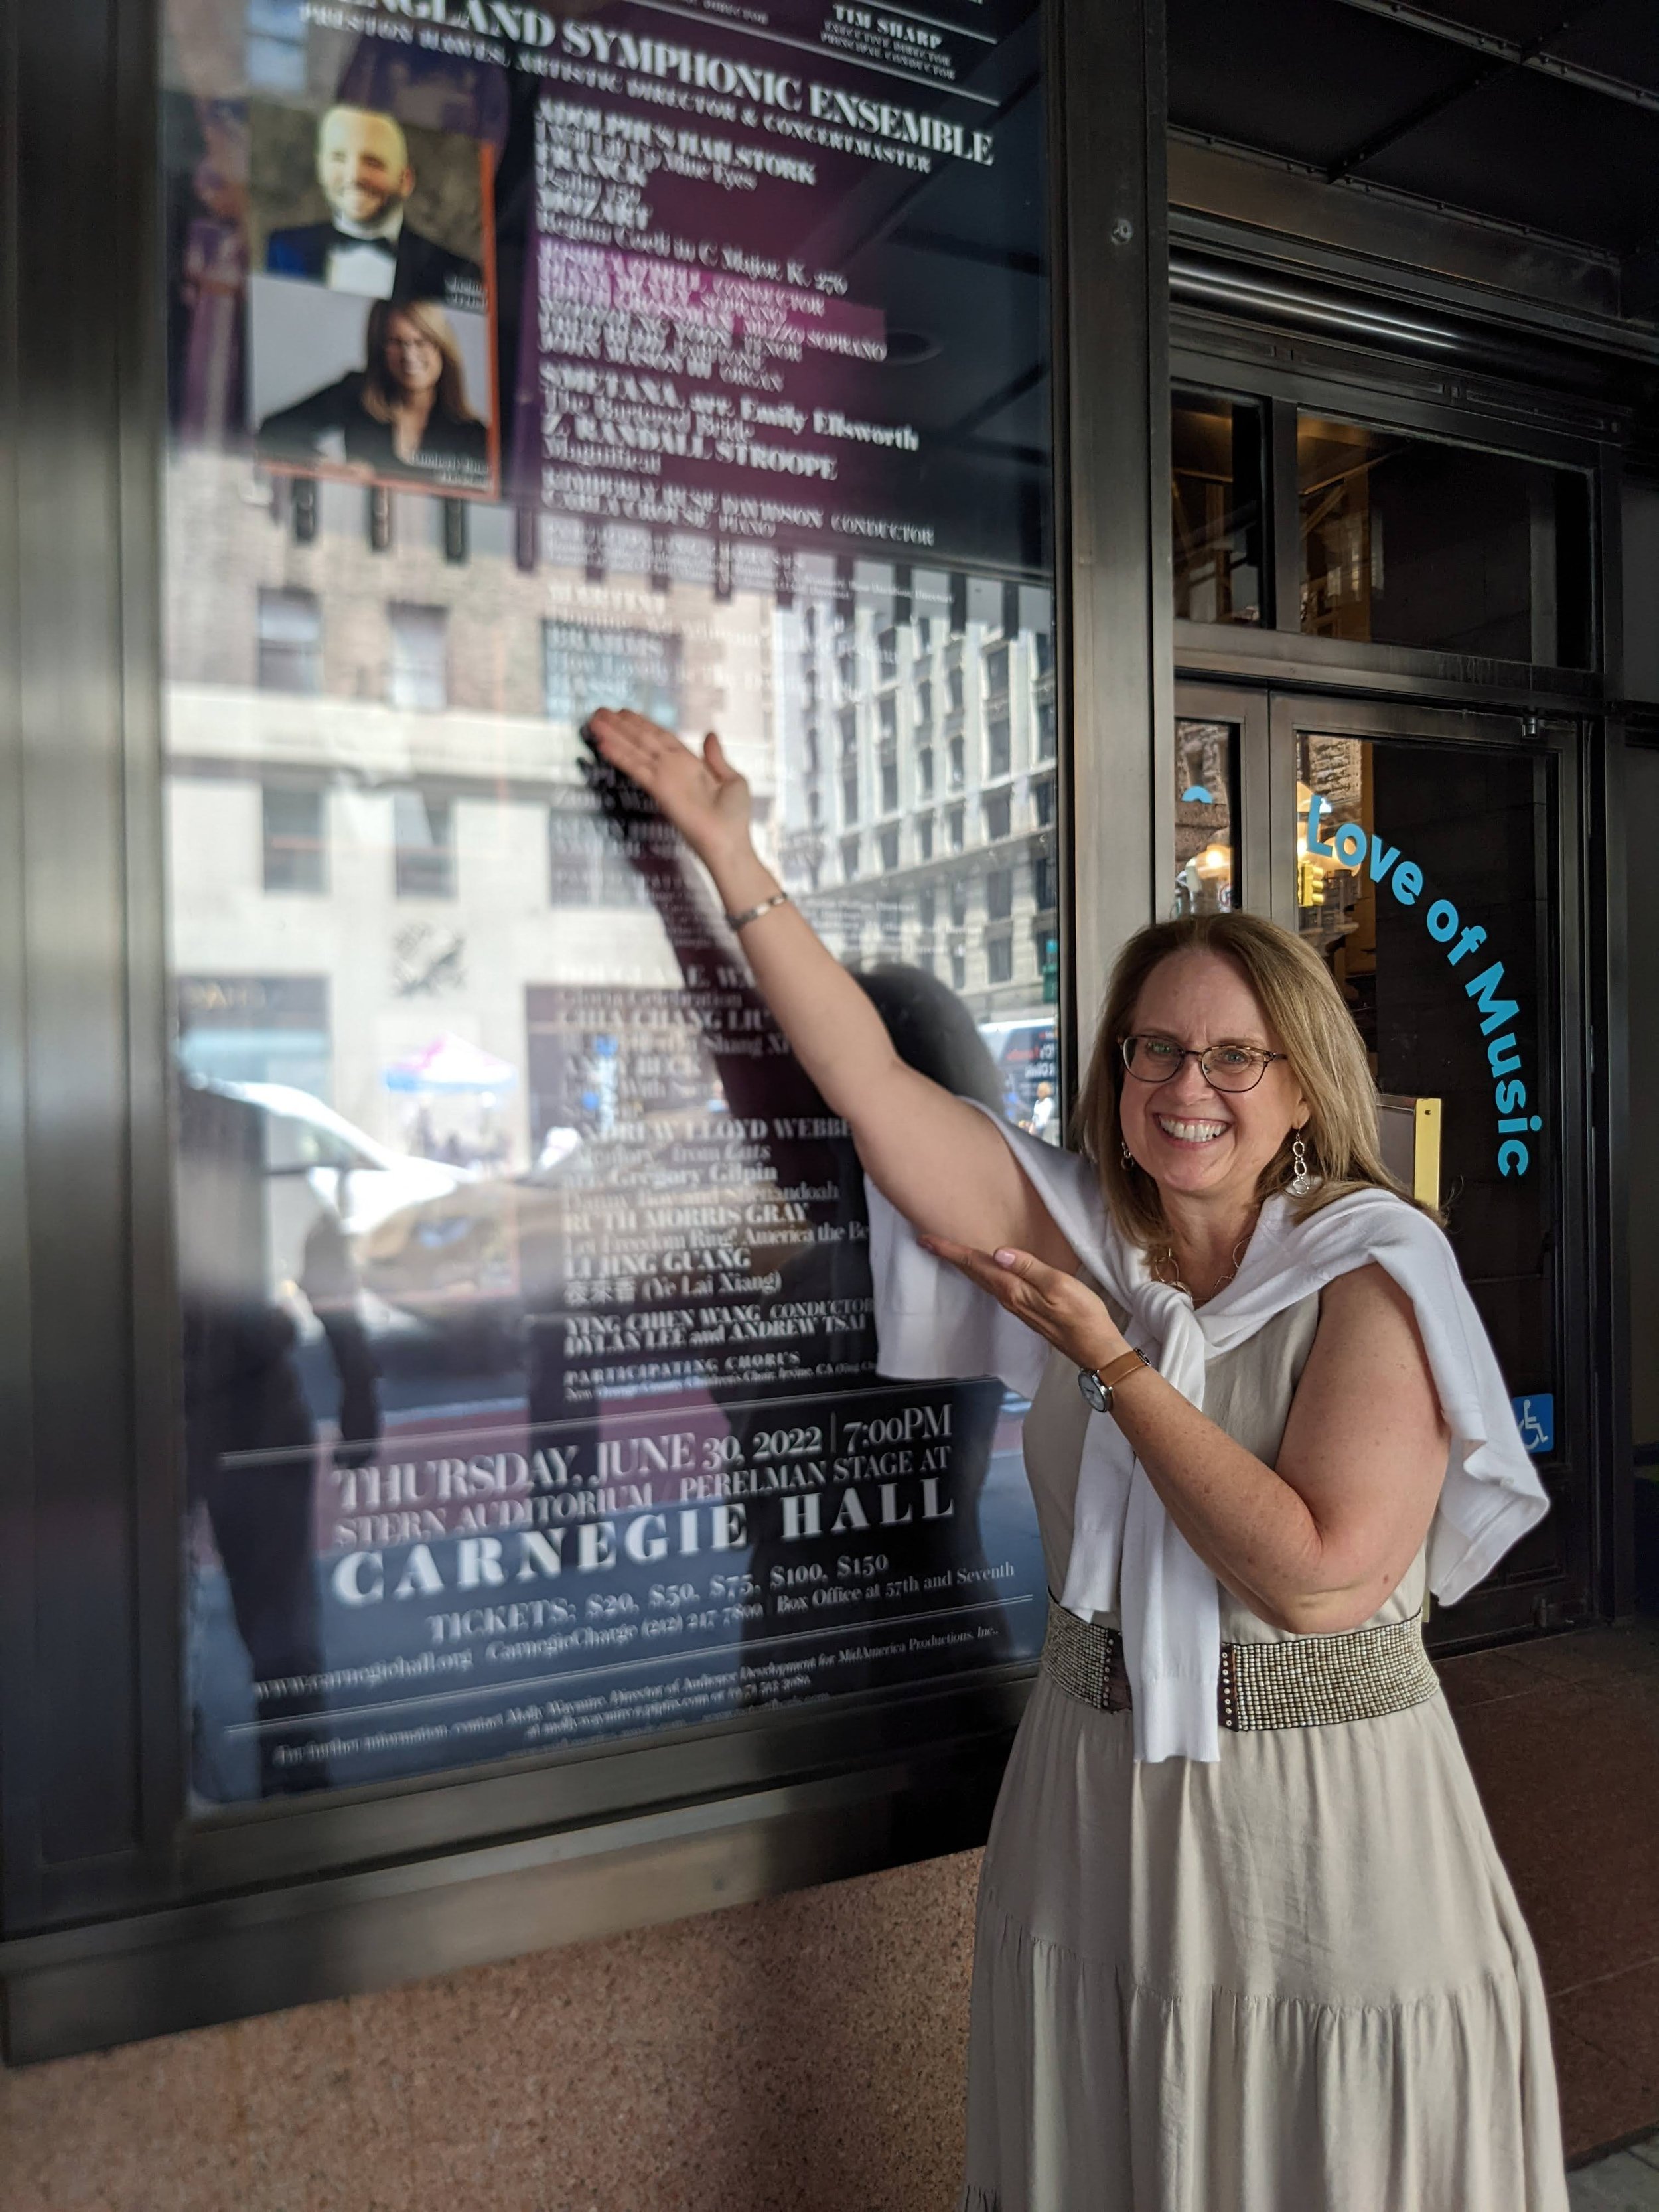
(1247, 981)
(1243, 1940)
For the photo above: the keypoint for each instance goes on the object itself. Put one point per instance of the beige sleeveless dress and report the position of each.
(1293, 1981)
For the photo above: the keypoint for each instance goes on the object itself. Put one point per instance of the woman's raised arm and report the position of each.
(939, 1161)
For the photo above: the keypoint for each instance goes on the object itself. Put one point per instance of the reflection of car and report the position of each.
(499, 1248)
(445, 1256)
(320, 1152)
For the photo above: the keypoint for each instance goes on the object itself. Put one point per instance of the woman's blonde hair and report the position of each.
(1304, 1010)
(380, 393)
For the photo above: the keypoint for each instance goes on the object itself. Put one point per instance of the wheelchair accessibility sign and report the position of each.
(1536, 1417)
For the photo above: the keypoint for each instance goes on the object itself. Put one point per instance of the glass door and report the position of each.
(1427, 856)
(1427, 876)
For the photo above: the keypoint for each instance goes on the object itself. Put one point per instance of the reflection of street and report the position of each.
(636, 1469)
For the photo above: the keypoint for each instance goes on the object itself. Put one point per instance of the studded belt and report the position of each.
(1302, 1681)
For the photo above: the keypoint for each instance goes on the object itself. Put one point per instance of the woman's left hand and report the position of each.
(1056, 1305)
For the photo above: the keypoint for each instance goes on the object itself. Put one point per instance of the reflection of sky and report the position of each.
(276, 46)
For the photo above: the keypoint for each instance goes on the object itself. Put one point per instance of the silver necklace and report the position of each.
(1163, 1257)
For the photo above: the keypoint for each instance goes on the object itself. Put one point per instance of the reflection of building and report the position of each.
(917, 809)
(380, 835)
(257, 1029)
(1205, 877)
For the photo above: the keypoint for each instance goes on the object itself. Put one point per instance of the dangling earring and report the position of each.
(1128, 1156)
(1301, 1181)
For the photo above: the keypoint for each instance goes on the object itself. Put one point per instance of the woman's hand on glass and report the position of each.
(701, 793)
(1058, 1306)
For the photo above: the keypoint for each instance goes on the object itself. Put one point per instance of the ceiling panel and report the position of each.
(1621, 37)
(1533, 150)
(1521, 21)
(1323, 81)
(1309, 78)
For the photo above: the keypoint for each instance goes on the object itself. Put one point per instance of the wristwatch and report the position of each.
(1097, 1384)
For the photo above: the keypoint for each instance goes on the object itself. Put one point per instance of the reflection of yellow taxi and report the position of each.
(313, 1167)
(503, 1247)
(446, 1252)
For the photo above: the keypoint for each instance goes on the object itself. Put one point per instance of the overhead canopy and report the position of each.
(1538, 113)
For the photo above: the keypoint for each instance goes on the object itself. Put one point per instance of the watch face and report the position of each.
(1094, 1393)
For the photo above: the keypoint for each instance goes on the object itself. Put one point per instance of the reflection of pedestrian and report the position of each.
(1045, 1114)
(405, 413)
(208, 215)
(363, 168)
(249, 1435)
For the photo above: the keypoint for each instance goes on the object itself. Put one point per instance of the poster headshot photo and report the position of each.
(355, 201)
(396, 391)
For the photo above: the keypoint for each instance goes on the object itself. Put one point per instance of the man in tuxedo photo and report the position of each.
(369, 248)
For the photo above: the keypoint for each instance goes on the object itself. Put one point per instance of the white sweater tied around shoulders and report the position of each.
(1126, 1551)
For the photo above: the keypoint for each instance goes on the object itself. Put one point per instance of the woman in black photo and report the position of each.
(404, 414)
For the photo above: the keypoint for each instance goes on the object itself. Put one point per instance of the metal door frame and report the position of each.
(1254, 841)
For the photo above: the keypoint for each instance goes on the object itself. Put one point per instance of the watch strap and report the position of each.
(1120, 1369)
(1099, 1384)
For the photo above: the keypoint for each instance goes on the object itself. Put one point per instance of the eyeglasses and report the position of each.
(1223, 1067)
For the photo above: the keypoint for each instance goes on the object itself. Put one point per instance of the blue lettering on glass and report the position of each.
(1352, 847)
(1535, 1419)
(1483, 987)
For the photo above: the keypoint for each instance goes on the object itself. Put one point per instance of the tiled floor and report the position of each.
(1563, 1735)
(1626, 2182)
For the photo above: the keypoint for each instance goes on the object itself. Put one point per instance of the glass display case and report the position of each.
(530, 1392)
